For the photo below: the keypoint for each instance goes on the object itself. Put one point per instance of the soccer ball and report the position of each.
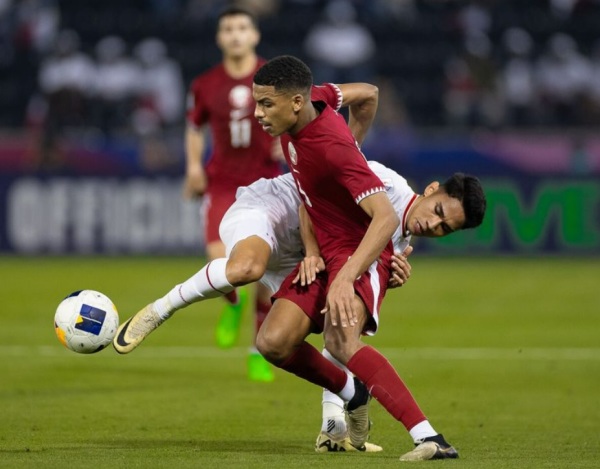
(86, 321)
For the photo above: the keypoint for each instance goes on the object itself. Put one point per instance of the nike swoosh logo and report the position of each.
(120, 340)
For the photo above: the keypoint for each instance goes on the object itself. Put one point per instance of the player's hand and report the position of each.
(339, 303)
(195, 183)
(401, 268)
(310, 266)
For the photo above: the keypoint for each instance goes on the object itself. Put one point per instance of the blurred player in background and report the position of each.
(241, 154)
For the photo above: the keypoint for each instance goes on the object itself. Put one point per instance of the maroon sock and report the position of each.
(232, 297)
(308, 363)
(386, 386)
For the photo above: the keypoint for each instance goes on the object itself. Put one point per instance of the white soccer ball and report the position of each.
(86, 321)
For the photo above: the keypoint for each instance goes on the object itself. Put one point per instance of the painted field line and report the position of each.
(421, 353)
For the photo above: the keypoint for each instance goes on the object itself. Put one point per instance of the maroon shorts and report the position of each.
(216, 203)
(370, 287)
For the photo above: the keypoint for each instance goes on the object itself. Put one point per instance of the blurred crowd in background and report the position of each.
(109, 66)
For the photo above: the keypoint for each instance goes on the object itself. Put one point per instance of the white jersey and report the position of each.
(268, 208)
(401, 196)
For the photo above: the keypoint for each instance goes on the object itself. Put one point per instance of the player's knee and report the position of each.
(339, 347)
(273, 346)
(245, 270)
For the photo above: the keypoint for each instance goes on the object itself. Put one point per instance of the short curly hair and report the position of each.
(469, 191)
(285, 73)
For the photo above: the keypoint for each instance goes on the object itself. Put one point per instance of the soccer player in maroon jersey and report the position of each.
(241, 154)
(353, 222)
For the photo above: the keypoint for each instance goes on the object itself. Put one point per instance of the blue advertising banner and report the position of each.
(543, 195)
(85, 215)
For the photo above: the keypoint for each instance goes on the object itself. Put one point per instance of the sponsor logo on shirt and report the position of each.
(240, 99)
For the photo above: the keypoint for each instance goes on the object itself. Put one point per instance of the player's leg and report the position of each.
(258, 368)
(384, 383)
(215, 205)
(334, 414)
(373, 369)
(228, 325)
(246, 264)
(334, 431)
(281, 340)
(248, 236)
(342, 343)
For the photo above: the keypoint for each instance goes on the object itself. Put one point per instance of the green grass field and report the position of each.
(502, 354)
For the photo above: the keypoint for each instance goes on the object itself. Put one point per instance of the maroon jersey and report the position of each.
(332, 176)
(241, 149)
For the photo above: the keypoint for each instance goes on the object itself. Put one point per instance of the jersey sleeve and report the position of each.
(196, 113)
(353, 172)
(329, 93)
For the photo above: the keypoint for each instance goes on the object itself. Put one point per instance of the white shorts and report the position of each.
(267, 213)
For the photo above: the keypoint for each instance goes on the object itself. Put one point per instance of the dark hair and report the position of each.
(469, 191)
(234, 10)
(285, 73)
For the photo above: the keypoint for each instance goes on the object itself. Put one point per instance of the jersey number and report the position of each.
(240, 133)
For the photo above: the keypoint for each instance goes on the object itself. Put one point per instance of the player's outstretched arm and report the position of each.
(362, 100)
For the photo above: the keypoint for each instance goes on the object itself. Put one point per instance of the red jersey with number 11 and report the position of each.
(241, 149)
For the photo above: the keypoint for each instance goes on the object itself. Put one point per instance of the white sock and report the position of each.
(333, 360)
(209, 282)
(348, 390)
(422, 430)
(334, 418)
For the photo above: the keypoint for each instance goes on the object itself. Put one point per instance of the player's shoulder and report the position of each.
(388, 176)
(329, 93)
(213, 75)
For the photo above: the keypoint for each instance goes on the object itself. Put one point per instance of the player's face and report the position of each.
(276, 112)
(237, 36)
(435, 214)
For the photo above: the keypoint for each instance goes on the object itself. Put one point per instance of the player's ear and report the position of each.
(297, 102)
(431, 188)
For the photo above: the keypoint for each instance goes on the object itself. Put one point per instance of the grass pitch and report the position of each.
(502, 354)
